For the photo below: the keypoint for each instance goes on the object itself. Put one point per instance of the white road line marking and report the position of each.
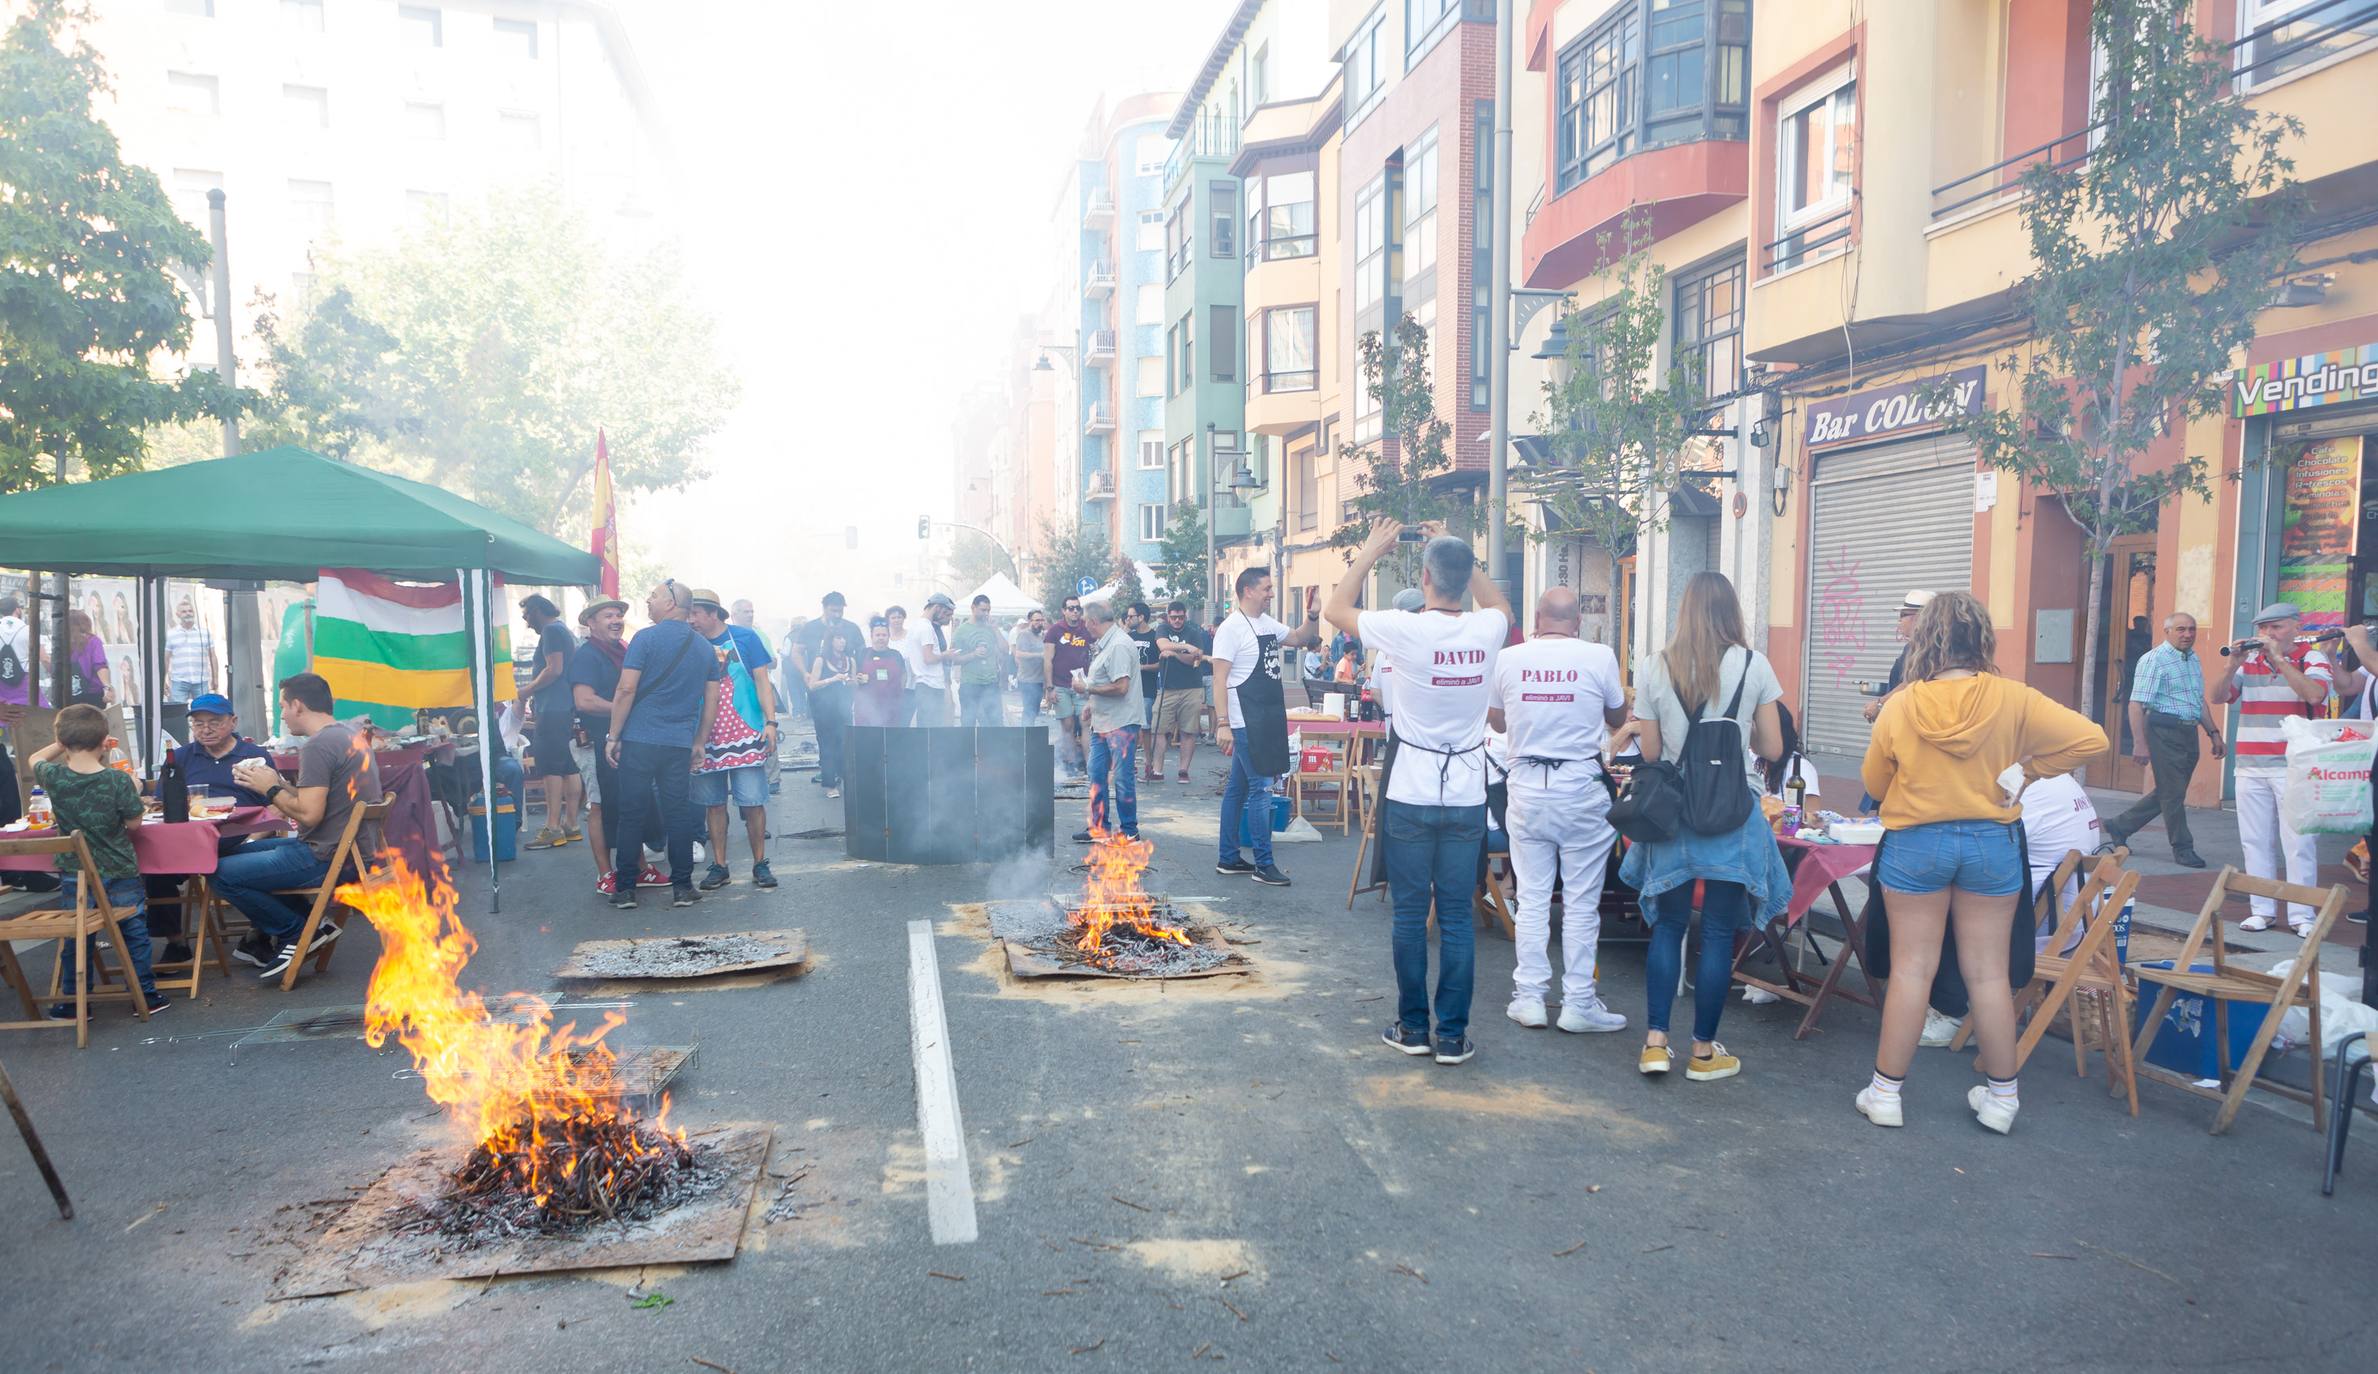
(949, 1186)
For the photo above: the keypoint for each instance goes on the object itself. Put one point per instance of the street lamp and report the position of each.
(1242, 478)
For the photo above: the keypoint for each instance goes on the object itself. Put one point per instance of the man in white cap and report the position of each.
(2271, 681)
(1558, 696)
(1916, 601)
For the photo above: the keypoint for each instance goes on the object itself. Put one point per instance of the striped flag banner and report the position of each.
(391, 648)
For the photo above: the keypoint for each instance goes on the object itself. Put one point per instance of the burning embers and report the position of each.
(553, 1144)
(1116, 929)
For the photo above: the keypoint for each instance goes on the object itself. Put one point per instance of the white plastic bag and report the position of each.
(2340, 1014)
(2328, 776)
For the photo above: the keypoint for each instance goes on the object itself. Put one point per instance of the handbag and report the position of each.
(1649, 807)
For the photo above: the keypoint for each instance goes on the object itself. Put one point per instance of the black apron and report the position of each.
(1948, 980)
(1264, 708)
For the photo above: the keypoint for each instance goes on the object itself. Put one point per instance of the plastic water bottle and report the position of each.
(37, 809)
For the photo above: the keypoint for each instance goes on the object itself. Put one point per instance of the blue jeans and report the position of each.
(1979, 857)
(1724, 907)
(979, 706)
(1028, 695)
(1242, 792)
(130, 898)
(644, 771)
(247, 879)
(1432, 857)
(1114, 766)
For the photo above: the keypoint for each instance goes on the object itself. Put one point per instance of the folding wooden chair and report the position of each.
(324, 906)
(1495, 895)
(1366, 783)
(1335, 779)
(2091, 969)
(202, 928)
(2300, 988)
(91, 915)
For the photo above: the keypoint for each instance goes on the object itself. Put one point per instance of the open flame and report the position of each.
(537, 1101)
(1112, 897)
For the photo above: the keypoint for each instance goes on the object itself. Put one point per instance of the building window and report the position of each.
(522, 132)
(190, 186)
(189, 93)
(1176, 239)
(1289, 339)
(1151, 231)
(1151, 524)
(1308, 489)
(1370, 246)
(427, 207)
(1184, 352)
(1148, 153)
(1280, 221)
(1482, 263)
(1148, 304)
(1259, 77)
(306, 107)
(1222, 341)
(1420, 211)
(2277, 37)
(1223, 211)
(1151, 450)
(424, 120)
(1150, 382)
(196, 9)
(423, 26)
(517, 38)
(1708, 317)
(1816, 165)
(1424, 20)
(302, 16)
(1652, 73)
(310, 208)
(1364, 71)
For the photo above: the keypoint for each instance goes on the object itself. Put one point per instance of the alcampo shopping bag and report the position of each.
(2328, 776)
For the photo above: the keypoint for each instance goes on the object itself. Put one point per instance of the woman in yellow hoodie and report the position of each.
(1951, 859)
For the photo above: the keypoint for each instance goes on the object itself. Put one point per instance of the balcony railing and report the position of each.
(2273, 49)
(1099, 281)
(1098, 420)
(1102, 345)
(1099, 209)
(1101, 487)
(1209, 135)
(1803, 243)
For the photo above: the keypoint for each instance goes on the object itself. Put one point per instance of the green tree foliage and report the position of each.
(88, 246)
(1403, 477)
(1127, 588)
(1075, 551)
(1618, 425)
(1182, 566)
(480, 352)
(974, 558)
(2151, 259)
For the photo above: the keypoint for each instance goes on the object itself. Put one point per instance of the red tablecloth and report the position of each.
(412, 826)
(1328, 725)
(1816, 868)
(162, 848)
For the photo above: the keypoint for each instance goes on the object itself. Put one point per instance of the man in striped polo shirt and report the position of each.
(2273, 680)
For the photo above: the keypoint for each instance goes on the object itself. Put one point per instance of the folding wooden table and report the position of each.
(1816, 870)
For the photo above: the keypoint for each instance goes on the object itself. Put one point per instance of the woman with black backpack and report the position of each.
(1696, 704)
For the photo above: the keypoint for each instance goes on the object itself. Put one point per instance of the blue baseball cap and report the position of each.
(211, 703)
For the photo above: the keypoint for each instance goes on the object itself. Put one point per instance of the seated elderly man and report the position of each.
(216, 748)
(335, 774)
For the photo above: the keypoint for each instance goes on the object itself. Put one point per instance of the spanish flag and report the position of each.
(606, 519)
(391, 648)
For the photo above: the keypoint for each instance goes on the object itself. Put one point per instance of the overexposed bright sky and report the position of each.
(868, 198)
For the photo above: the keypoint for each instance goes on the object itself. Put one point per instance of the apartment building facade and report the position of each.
(1119, 348)
(1886, 147)
(342, 121)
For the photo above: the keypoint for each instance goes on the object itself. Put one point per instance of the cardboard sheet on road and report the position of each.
(360, 1251)
(680, 957)
(1026, 962)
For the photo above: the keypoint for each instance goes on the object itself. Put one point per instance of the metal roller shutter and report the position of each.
(1883, 520)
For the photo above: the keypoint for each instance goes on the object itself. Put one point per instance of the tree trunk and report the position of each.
(2099, 559)
(1610, 604)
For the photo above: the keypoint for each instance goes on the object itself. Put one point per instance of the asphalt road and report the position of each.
(1230, 1171)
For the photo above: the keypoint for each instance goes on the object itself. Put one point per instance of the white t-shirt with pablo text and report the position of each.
(1552, 693)
(1443, 664)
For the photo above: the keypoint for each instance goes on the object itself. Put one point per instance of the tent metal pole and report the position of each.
(478, 595)
(152, 669)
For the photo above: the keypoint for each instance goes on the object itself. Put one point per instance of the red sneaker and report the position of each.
(652, 877)
(607, 884)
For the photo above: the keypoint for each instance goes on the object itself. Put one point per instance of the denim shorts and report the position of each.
(749, 785)
(1980, 857)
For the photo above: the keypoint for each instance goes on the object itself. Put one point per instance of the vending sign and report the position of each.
(2315, 379)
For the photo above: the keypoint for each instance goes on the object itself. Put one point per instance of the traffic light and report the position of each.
(924, 527)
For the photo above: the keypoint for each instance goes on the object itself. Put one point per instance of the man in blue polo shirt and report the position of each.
(660, 712)
(206, 761)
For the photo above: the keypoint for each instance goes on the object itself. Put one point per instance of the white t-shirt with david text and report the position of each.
(1443, 665)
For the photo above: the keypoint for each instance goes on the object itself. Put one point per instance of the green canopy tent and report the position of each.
(283, 514)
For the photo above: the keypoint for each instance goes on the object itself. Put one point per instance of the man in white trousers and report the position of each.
(1557, 697)
(2271, 681)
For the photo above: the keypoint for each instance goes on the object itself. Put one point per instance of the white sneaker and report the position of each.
(1758, 997)
(1939, 1030)
(2255, 923)
(1579, 1018)
(1990, 1110)
(1878, 1109)
(1527, 1011)
(2302, 929)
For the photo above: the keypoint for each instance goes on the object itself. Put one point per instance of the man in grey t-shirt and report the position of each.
(1031, 687)
(1117, 706)
(335, 774)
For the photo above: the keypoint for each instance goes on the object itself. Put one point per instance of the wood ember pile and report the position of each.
(598, 1170)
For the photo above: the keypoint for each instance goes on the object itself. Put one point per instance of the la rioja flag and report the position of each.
(606, 519)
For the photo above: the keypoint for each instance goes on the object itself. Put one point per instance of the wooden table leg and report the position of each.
(41, 1157)
(1853, 946)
